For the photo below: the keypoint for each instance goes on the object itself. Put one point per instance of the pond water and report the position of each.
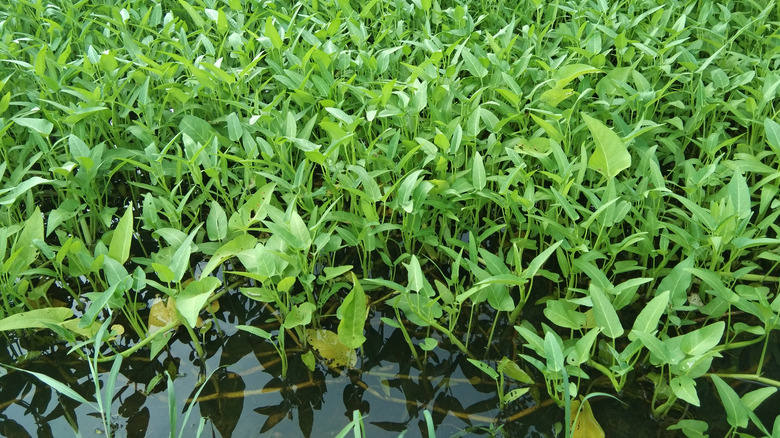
(247, 397)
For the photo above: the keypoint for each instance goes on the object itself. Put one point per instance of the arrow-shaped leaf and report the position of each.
(354, 311)
(611, 156)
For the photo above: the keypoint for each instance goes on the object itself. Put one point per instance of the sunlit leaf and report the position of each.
(194, 297)
(611, 156)
(121, 240)
(328, 345)
(353, 311)
(605, 314)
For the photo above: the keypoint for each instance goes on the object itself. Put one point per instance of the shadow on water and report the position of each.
(247, 397)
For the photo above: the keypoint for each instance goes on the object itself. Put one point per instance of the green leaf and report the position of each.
(96, 305)
(119, 248)
(164, 273)
(648, 318)
(228, 250)
(82, 113)
(714, 281)
(420, 99)
(473, 65)
(199, 130)
(656, 347)
(22, 188)
(235, 131)
(772, 130)
(538, 261)
(354, 311)
(116, 273)
(216, 222)
(702, 340)
(415, 275)
(58, 386)
(581, 352)
(272, 34)
(478, 177)
(606, 316)
(553, 353)
(484, 368)
(739, 192)
(180, 261)
(41, 126)
(564, 314)
(191, 300)
(611, 156)
(684, 387)
(38, 318)
(197, 20)
(301, 232)
(299, 315)
(336, 271)
(692, 428)
(677, 282)
(754, 398)
(736, 412)
(569, 72)
(510, 369)
(255, 331)
(429, 344)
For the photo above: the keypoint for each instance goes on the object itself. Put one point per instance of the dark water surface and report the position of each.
(246, 396)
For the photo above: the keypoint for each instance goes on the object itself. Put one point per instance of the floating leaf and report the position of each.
(161, 313)
(328, 345)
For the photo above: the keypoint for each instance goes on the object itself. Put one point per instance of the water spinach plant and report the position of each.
(599, 180)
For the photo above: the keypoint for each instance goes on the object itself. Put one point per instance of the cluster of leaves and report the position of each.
(628, 152)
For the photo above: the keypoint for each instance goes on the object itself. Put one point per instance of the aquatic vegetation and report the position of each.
(564, 194)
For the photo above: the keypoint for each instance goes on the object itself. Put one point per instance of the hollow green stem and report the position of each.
(141, 344)
(749, 377)
(604, 370)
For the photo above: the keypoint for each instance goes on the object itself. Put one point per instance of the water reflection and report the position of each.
(247, 396)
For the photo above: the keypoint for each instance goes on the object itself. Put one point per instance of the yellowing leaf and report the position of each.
(586, 425)
(161, 314)
(327, 344)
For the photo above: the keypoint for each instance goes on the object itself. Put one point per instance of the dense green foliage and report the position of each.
(626, 153)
